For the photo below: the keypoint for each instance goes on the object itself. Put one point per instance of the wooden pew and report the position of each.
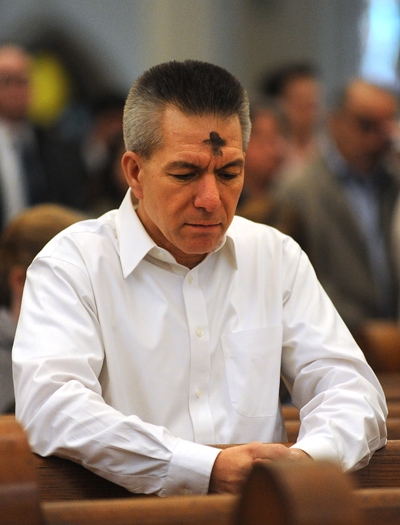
(383, 470)
(176, 510)
(290, 412)
(393, 408)
(380, 342)
(64, 480)
(302, 493)
(20, 500)
(379, 506)
(19, 495)
(376, 507)
(289, 490)
(391, 385)
(61, 479)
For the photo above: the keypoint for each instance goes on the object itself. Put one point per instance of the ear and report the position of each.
(132, 165)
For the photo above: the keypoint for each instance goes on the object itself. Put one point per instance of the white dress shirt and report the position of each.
(130, 363)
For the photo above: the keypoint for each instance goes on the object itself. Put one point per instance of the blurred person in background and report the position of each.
(109, 186)
(297, 88)
(264, 157)
(35, 165)
(102, 149)
(344, 204)
(104, 131)
(23, 237)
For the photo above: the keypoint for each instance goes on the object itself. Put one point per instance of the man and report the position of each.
(35, 166)
(297, 88)
(344, 205)
(156, 330)
(264, 156)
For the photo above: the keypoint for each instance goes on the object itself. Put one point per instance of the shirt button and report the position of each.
(190, 279)
(198, 394)
(199, 332)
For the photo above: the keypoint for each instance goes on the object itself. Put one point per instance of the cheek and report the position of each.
(230, 199)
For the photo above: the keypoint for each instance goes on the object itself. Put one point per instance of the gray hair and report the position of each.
(193, 87)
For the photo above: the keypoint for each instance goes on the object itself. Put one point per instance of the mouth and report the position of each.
(204, 226)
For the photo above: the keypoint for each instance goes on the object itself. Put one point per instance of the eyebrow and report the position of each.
(181, 164)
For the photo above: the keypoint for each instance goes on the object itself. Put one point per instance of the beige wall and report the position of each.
(124, 37)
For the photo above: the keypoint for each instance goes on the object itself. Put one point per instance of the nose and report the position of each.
(207, 193)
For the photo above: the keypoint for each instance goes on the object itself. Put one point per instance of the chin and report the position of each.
(202, 249)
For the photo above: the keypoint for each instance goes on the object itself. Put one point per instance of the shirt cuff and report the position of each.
(190, 469)
(319, 449)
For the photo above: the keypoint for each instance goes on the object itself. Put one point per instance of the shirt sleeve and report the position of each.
(58, 358)
(342, 405)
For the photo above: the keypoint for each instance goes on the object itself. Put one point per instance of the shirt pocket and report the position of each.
(253, 362)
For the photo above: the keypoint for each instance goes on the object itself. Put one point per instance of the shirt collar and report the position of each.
(135, 243)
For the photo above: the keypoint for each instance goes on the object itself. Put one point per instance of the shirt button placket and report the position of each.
(199, 408)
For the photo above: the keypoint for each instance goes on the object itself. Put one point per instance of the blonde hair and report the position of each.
(26, 234)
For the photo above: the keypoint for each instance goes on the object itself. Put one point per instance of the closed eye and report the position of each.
(183, 176)
(228, 176)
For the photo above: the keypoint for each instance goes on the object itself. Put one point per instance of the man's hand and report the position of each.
(233, 465)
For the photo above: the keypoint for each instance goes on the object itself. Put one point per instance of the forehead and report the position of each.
(181, 131)
(264, 120)
(13, 60)
(367, 100)
(306, 86)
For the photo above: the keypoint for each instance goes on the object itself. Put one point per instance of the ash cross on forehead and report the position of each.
(216, 142)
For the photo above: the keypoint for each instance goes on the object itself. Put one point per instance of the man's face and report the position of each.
(189, 188)
(266, 149)
(362, 128)
(301, 101)
(15, 88)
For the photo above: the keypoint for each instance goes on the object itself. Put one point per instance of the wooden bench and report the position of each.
(176, 510)
(22, 484)
(394, 408)
(302, 493)
(383, 470)
(391, 385)
(380, 342)
(285, 493)
(19, 494)
(375, 507)
(21, 501)
(379, 506)
(61, 479)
